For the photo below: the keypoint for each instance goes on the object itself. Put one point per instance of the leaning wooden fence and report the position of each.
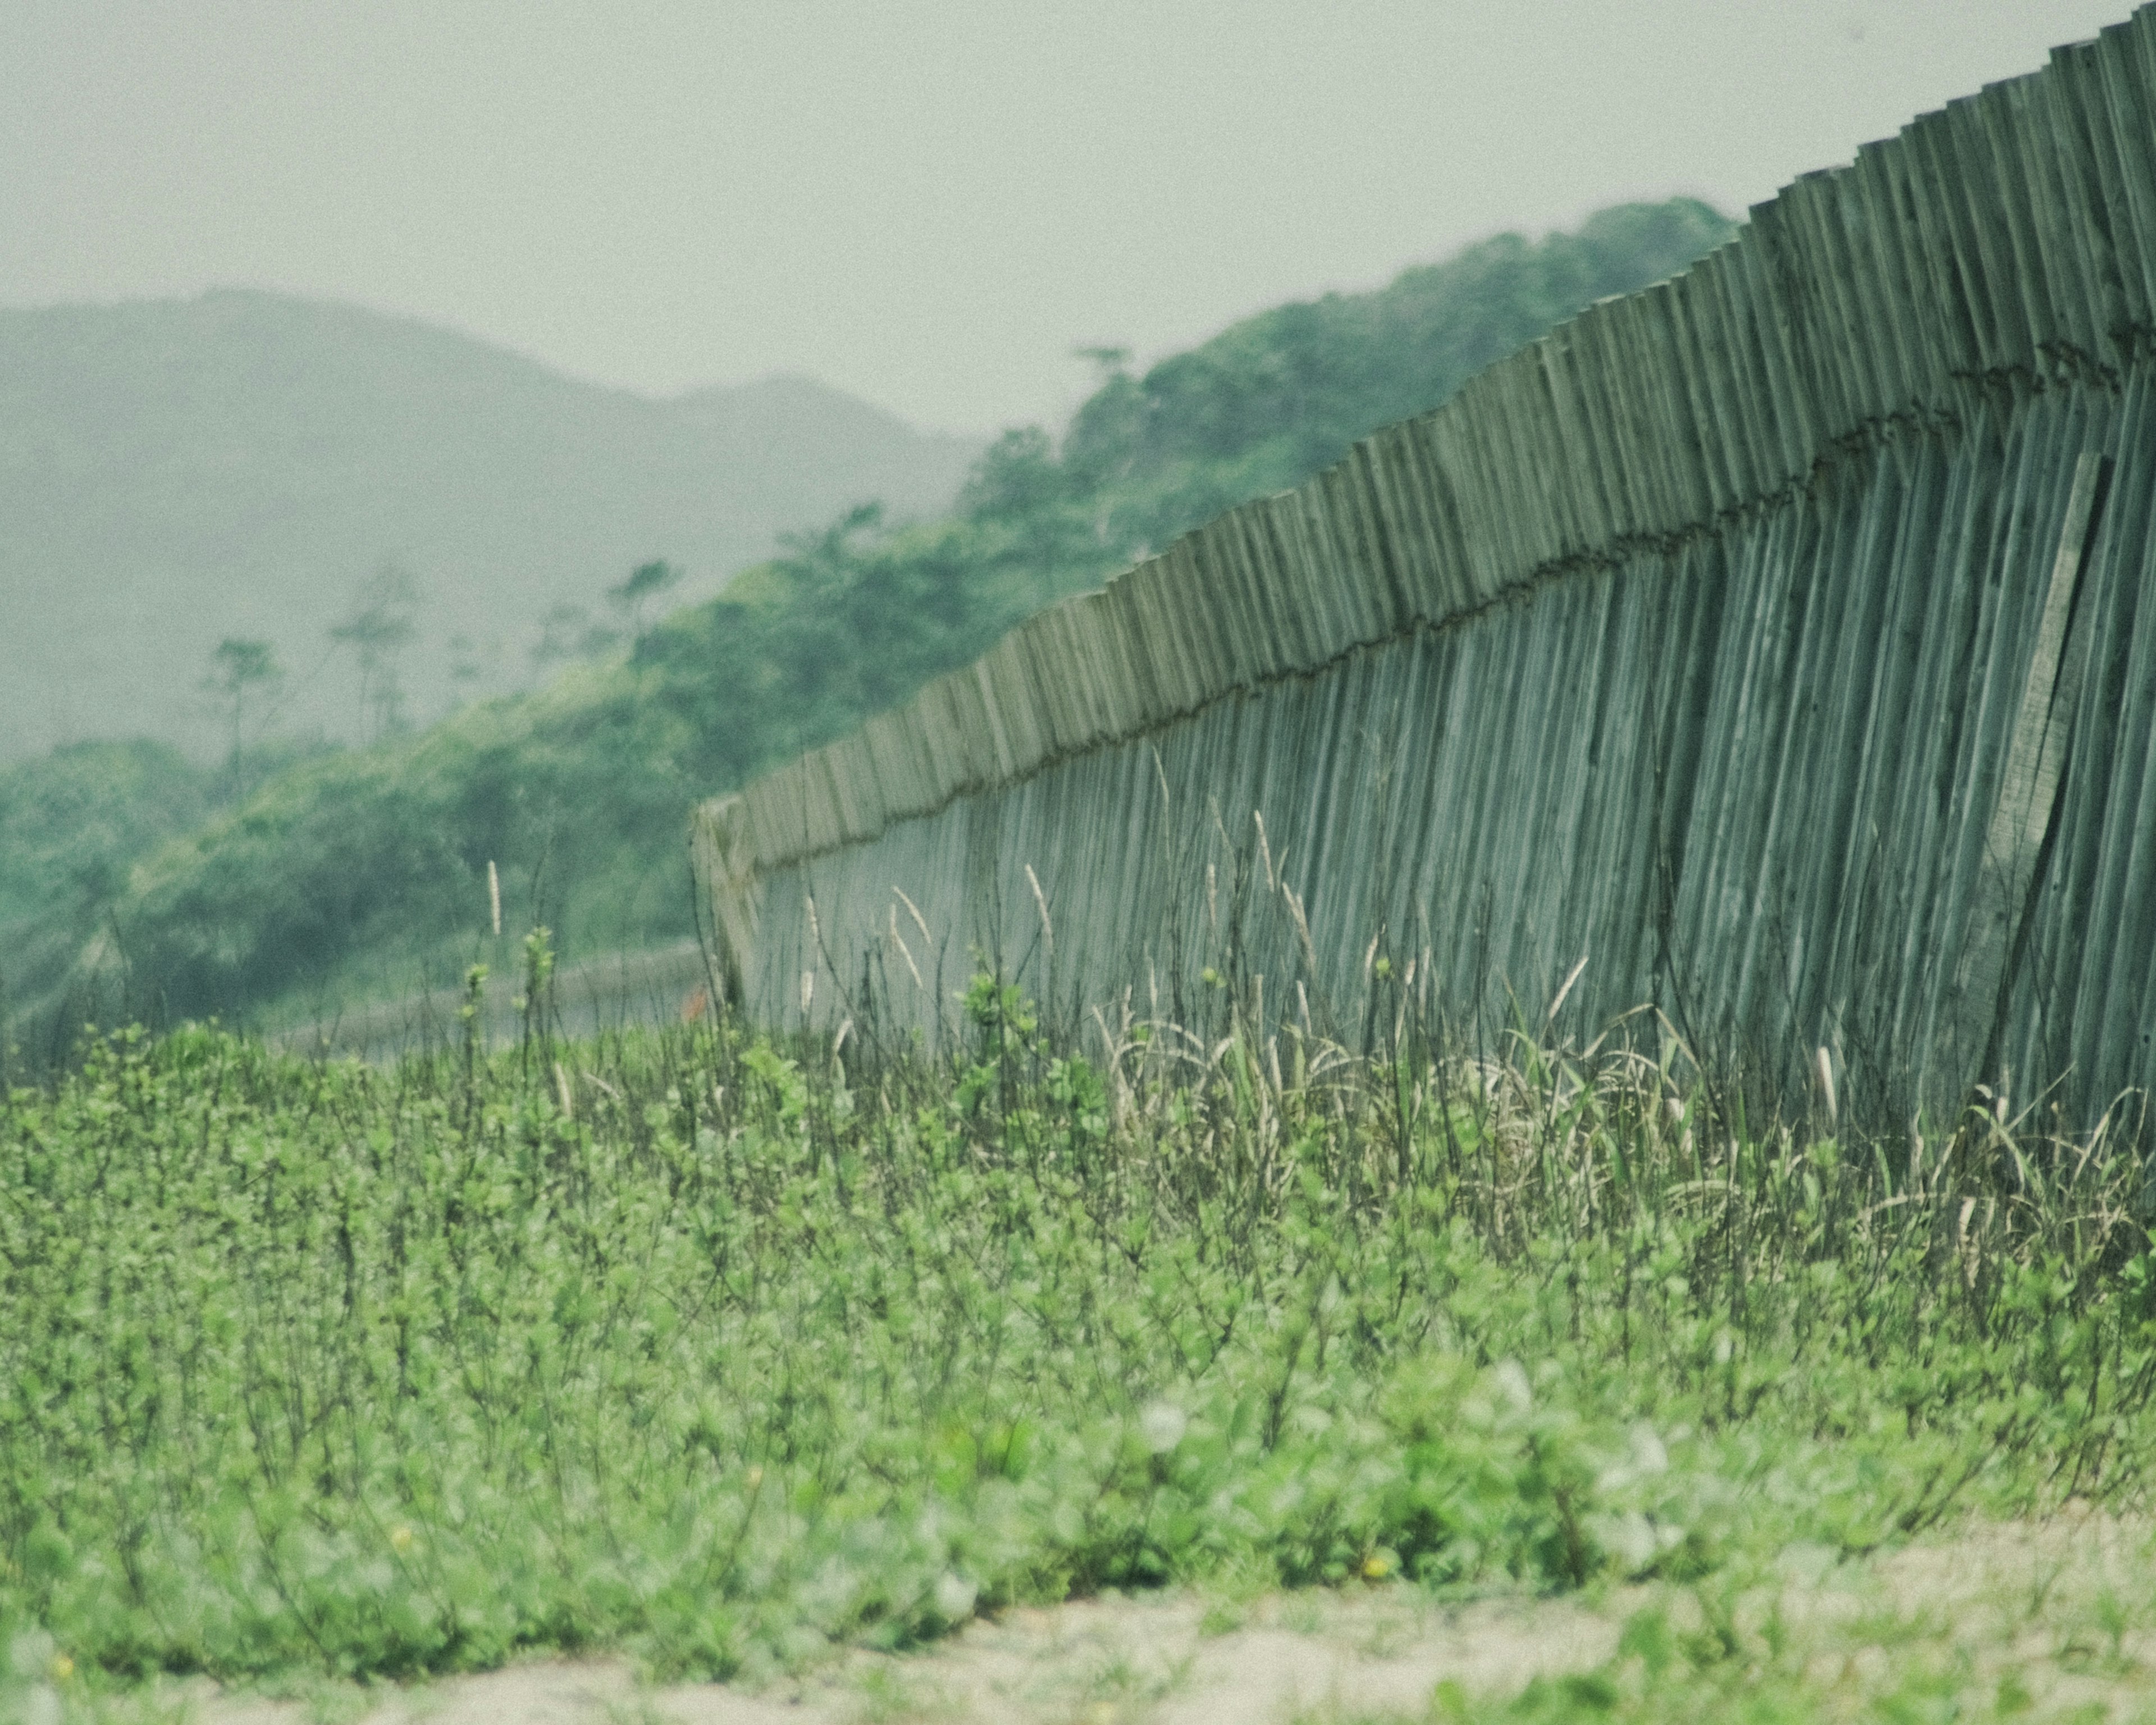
(1777, 640)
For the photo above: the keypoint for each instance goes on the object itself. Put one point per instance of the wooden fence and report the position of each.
(1772, 640)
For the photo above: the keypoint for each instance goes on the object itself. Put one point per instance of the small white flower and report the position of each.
(1630, 1538)
(954, 1597)
(29, 1653)
(1162, 1425)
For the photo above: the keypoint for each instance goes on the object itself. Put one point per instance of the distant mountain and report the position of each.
(242, 464)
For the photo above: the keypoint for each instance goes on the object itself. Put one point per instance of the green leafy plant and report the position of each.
(728, 1349)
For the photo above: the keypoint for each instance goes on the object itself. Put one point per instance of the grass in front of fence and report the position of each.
(724, 1352)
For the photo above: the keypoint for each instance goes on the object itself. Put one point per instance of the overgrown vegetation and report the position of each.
(72, 824)
(725, 1350)
(365, 872)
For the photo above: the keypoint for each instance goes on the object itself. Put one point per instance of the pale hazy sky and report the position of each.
(927, 201)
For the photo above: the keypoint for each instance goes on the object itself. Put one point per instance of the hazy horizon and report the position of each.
(928, 207)
(782, 374)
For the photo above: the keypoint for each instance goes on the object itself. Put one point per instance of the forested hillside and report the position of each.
(247, 464)
(366, 871)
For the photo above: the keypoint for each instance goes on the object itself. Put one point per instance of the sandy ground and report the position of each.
(2033, 1600)
(1162, 1661)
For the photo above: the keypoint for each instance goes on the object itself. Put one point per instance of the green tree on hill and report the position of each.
(646, 583)
(238, 668)
(566, 632)
(378, 630)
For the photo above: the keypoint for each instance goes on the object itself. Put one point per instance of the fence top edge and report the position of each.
(797, 810)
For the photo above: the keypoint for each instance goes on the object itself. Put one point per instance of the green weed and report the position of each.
(727, 1351)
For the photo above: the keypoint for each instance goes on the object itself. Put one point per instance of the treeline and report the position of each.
(366, 871)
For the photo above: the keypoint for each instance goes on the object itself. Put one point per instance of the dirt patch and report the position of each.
(2050, 1618)
(1173, 1660)
(2056, 1618)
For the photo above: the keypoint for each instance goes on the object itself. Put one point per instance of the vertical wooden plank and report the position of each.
(2028, 793)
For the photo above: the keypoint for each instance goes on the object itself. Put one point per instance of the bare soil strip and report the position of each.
(2058, 1616)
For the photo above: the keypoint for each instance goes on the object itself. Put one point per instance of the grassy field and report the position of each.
(726, 1354)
